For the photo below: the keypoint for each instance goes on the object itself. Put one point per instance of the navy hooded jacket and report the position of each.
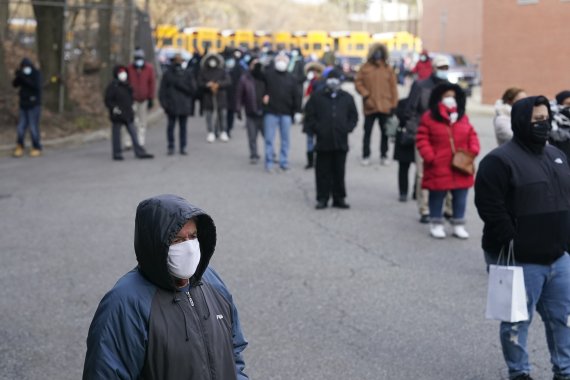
(30, 85)
(146, 328)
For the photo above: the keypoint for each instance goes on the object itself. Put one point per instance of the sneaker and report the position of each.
(253, 160)
(170, 151)
(224, 137)
(211, 138)
(35, 152)
(459, 232)
(145, 156)
(384, 161)
(284, 169)
(437, 231)
(403, 198)
(118, 158)
(365, 162)
(341, 204)
(424, 219)
(321, 205)
(18, 151)
(183, 152)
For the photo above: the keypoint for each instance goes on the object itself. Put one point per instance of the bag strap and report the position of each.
(451, 140)
(510, 255)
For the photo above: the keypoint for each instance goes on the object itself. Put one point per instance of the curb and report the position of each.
(81, 138)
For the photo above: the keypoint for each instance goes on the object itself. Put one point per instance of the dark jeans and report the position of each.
(403, 170)
(230, 121)
(170, 131)
(254, 126)
(116, 138)
(459, 204)
(329, 173)
(30, 117)
(368, 124)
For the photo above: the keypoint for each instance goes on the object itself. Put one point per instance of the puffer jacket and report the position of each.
(220, 76)
(177, 90)
(434, 145)
(502, 122)
(119, 99)
(147, 328)
(377, 84)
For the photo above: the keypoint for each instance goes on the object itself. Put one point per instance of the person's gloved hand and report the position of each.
(116, 111)
(150, 104)
(298, 118)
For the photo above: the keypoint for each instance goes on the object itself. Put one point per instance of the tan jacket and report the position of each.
(378, 87)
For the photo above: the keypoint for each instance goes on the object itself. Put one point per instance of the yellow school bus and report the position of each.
(282, 40)
(400, 41)
(312, 42)
(244, 38)
(202, 39)
(166, 35)
(262, 38)
(351, 44)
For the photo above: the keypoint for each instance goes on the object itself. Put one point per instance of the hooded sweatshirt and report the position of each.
(522, 193)
(147, 328)
(30, 85)
(119, 98)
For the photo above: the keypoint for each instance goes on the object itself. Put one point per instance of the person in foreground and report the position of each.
(171, 317)
(522, 193)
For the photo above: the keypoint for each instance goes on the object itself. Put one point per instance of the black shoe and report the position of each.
(145, 155)
(183, 152)
(310, 160)
(556, 377)
(403, 198)
(321, 205)
(524, 376)
(341, 204)
(424, 219)
(118, 158)
(170, 151)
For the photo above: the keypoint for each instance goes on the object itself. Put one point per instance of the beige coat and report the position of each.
(378, 87)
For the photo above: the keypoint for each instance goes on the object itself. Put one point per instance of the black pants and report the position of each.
(368, 124)
(329, 172)
(116, 138)
(230, 117)
(403, 170)
(170, 131)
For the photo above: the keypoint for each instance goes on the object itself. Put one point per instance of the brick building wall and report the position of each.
(525, 46)
(453, 26)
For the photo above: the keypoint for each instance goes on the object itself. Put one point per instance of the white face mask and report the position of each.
(449, 102)
(139, 62)
(230, 63)
(27, 70)
(183, 259)
(333, 84)
(310, 75)
(212, 63)
(441, 74)
(280, 65)
(123, 76)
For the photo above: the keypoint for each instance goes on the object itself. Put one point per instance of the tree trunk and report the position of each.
(104, 42)
(4, 15)
(49, 36)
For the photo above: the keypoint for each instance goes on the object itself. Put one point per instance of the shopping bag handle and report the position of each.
(510, 255)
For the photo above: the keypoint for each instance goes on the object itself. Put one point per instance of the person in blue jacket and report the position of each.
(171, 317)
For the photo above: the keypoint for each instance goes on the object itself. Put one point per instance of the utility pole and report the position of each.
(62, 74)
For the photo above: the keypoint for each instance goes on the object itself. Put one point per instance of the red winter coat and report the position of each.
(432, 141)
(142, 81)
(423, 69)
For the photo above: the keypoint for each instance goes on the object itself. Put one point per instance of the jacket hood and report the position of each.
(157, 221)
(377, 47)
(501, 108)
(118, 68)
(314, 66)
(217, 56)
(436, 95)
(521, 115)
(27, 62)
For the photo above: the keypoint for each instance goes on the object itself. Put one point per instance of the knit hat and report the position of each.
(561, 96)
(139, 53)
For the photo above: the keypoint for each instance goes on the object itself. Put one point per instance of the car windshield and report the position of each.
(459, 60)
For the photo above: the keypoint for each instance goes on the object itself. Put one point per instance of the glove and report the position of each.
(116, 111)
(238, 115)
(150, 104)
(298, 118)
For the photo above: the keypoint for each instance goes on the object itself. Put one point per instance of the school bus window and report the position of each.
(404, 46)
(359, 46)
(244, 45)
(306, 46)
(218, 44)
(206, 44)
(280, 46)
(167, 41)
(349, 46)
(317, 46)
(179, 42)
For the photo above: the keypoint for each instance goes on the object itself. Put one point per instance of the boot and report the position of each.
(310, 160)
(18, 151)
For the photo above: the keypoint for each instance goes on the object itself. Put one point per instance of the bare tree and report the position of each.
(49, 36)
(4, 16)
(104, 41)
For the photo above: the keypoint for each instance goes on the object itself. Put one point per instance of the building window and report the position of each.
(524, 2)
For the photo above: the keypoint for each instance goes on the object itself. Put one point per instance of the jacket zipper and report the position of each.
(201, 332)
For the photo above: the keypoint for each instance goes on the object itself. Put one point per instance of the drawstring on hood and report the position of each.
(177, 300)
(521, 116)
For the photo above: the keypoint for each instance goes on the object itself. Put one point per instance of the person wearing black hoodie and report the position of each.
(522, 194)
(119, 101)
(560, 134)
(29, 80)
(330, 115)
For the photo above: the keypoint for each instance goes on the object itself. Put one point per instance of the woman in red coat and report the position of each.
(446, 117)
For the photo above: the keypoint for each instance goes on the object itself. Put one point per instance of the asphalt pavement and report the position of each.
(363, 293)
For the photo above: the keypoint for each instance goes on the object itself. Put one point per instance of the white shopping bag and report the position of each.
(506, 294)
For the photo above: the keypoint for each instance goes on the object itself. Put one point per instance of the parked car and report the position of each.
(461, 71)
(349, 66)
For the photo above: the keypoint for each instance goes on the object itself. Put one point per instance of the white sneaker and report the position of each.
(384, 162)
(437, 231)
(365, 162)
(459, 232)
(224, 137)
(211, 138)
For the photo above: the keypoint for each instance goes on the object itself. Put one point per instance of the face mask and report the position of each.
(237, 55)
(27, 70)
(230, 63)
(212, 63)
(449, 102)
(280, 65)
(310, 75)
(565, 111)
(333, 84)
(539, 131)
(441, 74)
(123, 76)
(139, 62)
(183, 259)
(378, 56)
(294, 53)
(423, 58)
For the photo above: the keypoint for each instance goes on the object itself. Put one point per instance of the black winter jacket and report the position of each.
(177, 90)
(249, 95)
(119, 100)
(30, 85)
(283, 93)
(330, 117)
(522, 193)
(217, 74)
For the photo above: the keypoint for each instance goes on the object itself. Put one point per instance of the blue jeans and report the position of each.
(271, 123)
(459, 203)
(547, 290)
(30, 118)
(310, 142)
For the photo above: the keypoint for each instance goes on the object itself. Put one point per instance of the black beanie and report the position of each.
(561, 96)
